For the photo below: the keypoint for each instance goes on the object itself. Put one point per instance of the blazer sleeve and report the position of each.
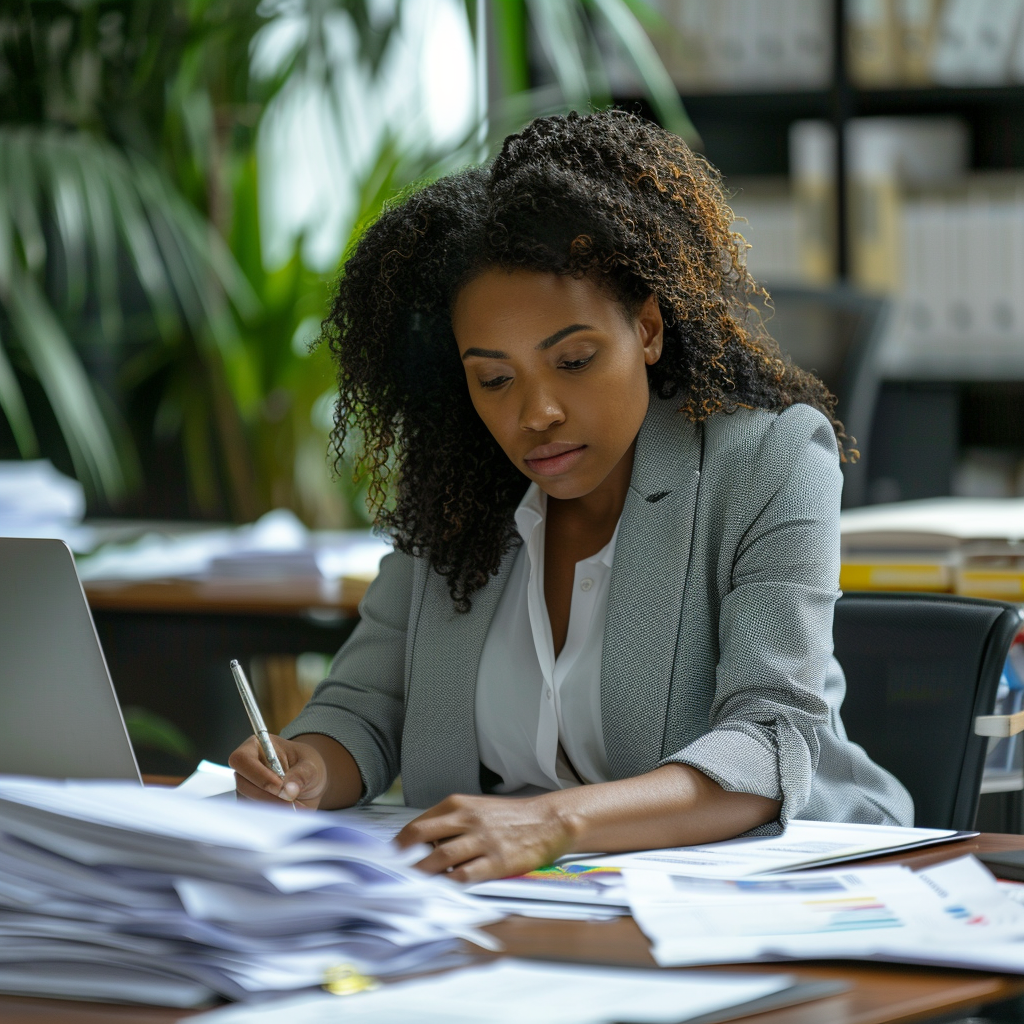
(361, 702)
(775, 620)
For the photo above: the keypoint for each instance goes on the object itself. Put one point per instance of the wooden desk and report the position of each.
(878, 993)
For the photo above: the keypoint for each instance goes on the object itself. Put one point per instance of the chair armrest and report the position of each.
(999, 725)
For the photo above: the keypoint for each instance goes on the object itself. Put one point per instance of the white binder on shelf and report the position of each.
(872, 42)
(812, 161)
(1015, 65)
(990, 48)
(730, 46)
(806, 30)
(686, 52)
(962, 309)
(916, 27)
(951, 59)
(767, 220)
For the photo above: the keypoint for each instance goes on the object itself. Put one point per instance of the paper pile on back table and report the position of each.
(953, 914)
(114, 892)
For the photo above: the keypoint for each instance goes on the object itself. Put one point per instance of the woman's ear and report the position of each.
(652, 329)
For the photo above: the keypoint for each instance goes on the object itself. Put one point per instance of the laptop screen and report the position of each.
(59, 715)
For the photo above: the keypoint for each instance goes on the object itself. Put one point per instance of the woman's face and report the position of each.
(556, 369)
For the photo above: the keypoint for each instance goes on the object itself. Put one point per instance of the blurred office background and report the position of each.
(179, 182)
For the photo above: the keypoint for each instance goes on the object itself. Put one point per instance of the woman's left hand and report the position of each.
(477, 838)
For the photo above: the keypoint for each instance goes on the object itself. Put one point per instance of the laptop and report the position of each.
(59, 714)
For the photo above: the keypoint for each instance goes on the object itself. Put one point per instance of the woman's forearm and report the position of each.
(479, 837)
(674, 805)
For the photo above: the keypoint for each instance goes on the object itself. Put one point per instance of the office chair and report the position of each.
(837, 334)
(922, 672)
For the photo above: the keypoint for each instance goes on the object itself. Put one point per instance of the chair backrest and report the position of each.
(919, 669)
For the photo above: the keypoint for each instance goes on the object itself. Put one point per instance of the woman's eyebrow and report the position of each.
(559, 335)
(484, 353)
(554, 339)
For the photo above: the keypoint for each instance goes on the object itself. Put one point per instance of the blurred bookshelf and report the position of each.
(878, 145)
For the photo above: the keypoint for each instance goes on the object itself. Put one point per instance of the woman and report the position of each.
(617, 523)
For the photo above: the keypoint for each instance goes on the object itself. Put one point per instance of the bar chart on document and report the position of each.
(806, 905)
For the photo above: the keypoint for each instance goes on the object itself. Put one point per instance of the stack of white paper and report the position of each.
(34, 490)
(114, 892)
(276, 546)
(38, 501)
(932, 524)
(953, 915)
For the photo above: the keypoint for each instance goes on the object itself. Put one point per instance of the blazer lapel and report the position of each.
(648, 582)
(439, 749)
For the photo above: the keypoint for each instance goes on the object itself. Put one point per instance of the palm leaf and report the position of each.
(634, 40)
(102, 239)
(136, 234)
(563, 30)
(199, 239)
(21, 188)
(63, 183)
(511, 42)
(12, 402)
(67, 386)
(102, 203)
(559, 29)
(206, 278)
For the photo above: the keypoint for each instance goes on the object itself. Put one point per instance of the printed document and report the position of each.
(803, 844)
(511, 991)
(953, 914)
(595, 880)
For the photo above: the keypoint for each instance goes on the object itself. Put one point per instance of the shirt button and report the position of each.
(547, 693)
(586, 584)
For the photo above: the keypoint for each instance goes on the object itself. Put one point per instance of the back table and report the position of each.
(168, 644)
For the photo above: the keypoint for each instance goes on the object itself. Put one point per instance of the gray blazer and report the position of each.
(718, 638)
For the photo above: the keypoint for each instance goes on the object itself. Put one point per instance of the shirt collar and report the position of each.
(533, 510)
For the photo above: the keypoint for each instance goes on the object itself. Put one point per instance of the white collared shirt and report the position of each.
(538, 717)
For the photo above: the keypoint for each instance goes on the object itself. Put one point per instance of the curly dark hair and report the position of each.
(608, 196)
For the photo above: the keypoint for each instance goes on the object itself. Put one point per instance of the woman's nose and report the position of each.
(540, 411)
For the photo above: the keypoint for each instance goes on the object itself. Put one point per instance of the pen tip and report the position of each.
(234, 663)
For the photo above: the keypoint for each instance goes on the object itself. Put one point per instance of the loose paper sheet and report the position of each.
(512, 991)
(802, 844)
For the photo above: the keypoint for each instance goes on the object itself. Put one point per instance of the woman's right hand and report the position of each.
(305, 778)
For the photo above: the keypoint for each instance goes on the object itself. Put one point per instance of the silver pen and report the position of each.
(256, 719)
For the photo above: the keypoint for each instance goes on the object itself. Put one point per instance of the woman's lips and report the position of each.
(555, 464)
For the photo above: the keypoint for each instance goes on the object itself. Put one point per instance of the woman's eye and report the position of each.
(494, 382)
(575, 364)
